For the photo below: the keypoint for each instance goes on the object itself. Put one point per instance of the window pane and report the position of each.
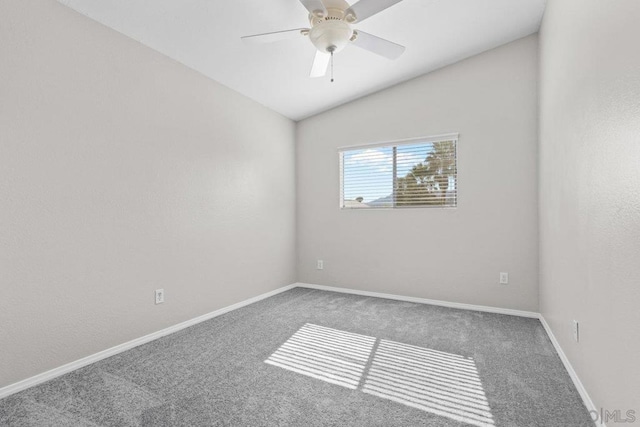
(367, 177)
(426, 174)
(421, 174)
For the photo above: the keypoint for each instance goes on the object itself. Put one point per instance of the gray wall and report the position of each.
(446, 254)
(122, 171)
(590, 191)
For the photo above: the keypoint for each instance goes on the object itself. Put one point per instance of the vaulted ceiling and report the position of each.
(205, 35)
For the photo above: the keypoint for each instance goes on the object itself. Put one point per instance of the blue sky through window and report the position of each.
(376, 165)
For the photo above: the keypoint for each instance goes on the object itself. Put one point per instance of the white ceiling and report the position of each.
(205, 35)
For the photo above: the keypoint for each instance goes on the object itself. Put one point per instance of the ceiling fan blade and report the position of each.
(274, 36)
(320, 64)
(378, 46)
(314, 5)
(367, 8)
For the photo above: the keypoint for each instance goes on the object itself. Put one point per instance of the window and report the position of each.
(413, 173)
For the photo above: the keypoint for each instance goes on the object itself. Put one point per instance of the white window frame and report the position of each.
(408, 141)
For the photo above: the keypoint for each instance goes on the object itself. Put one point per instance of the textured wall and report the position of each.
(446, 254)
(590, 191)
(122, 171)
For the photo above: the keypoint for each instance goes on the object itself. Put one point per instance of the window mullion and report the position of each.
(395, 175)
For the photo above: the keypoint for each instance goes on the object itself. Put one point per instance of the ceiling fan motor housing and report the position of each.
(330, 33)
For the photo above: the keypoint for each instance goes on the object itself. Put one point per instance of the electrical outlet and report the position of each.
(320, 265)
(504, 278)
(159, 296)
(576, 331)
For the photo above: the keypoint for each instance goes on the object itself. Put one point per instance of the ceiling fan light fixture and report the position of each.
(334, 34)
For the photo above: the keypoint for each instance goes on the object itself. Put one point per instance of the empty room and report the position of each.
(320, 213)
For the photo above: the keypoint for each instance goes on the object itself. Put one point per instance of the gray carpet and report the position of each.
(315, 358)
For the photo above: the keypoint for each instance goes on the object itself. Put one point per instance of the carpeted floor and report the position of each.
(316, 358)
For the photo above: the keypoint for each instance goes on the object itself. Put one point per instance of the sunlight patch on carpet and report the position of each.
(438, 382)
(326, 354)
(442, 383)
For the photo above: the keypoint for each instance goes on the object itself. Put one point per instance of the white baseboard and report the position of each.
(572, 373)
(462, 306)
(56, 372)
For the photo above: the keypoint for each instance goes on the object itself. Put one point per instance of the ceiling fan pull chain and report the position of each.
(331, 66)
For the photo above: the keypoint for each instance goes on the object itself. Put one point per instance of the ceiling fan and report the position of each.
(331, 30)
